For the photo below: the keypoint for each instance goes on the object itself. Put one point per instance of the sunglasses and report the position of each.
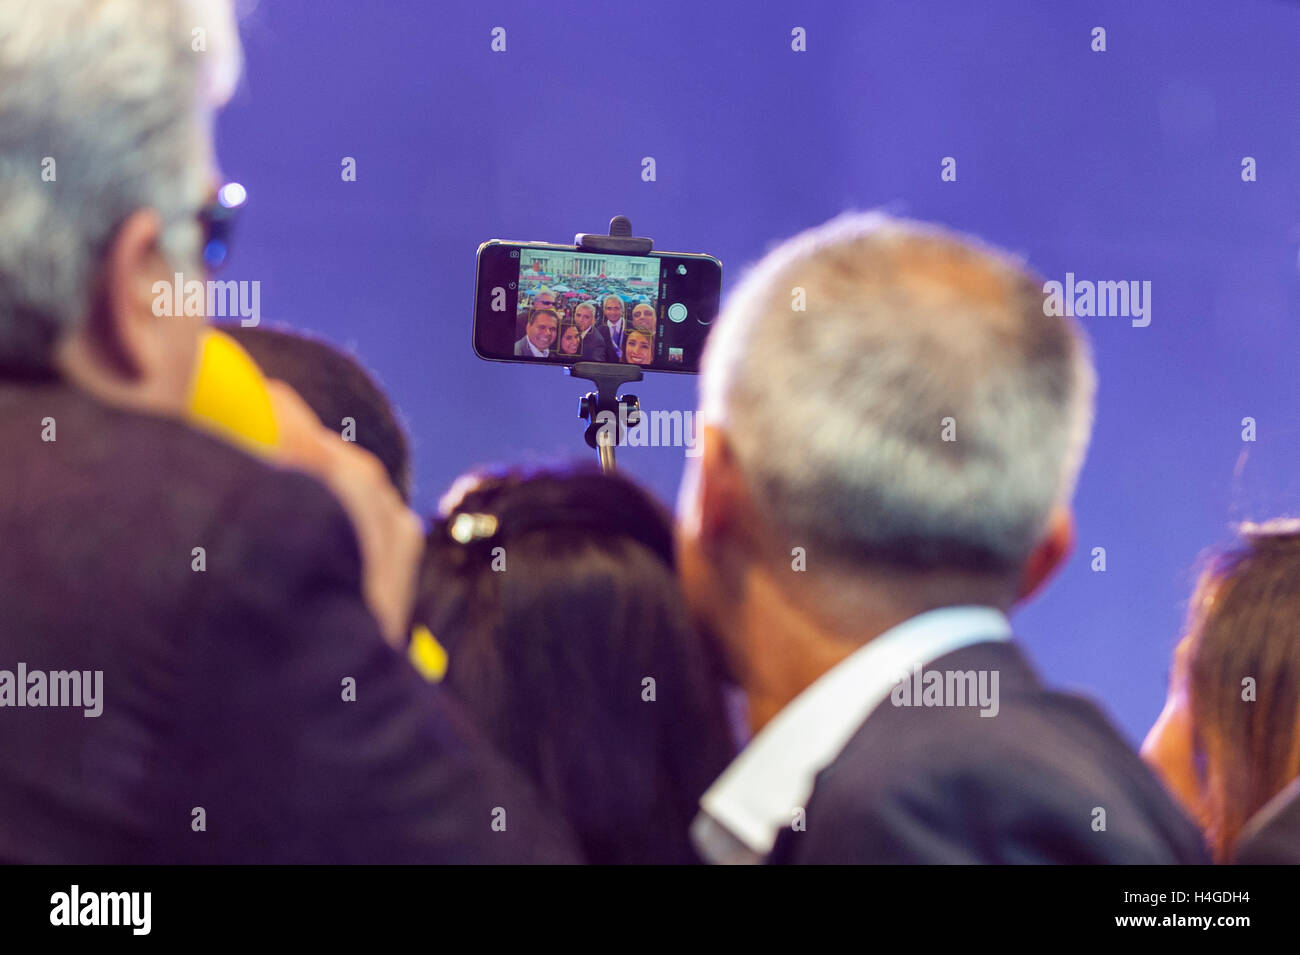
(217, 220)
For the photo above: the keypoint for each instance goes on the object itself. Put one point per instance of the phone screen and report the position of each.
(555, 304)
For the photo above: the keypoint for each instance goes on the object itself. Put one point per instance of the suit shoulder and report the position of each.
(143, 485)
(1032, 732)
(1031, 783)
(129, 453)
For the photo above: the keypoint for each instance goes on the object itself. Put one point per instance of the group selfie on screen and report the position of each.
(607, 327)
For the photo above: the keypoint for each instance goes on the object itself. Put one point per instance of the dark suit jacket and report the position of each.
(594, 347)
(612, 352)
(222, 688)
(945, 785)
(1272, 836)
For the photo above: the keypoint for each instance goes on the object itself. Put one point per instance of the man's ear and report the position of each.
(122, 324)
(1050, 552)
(720, 492)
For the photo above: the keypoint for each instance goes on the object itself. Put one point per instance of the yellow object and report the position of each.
(427, 654)
(230, 396)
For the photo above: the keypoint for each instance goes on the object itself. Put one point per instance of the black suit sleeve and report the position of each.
(306, 738)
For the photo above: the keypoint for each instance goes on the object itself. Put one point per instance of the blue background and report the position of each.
(1117, 165)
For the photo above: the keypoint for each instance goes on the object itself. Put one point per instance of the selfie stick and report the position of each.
(608, 378)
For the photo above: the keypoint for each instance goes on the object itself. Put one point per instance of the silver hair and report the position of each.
(838, 412)
(105, 108)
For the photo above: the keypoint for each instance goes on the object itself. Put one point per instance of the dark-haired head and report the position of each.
(570, 340)
(336, 387)
(554, 595)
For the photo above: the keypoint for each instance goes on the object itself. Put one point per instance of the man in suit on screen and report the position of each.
(539, 334)
(593, 343)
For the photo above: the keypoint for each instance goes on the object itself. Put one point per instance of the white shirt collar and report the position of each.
(755, 797)
(537, 351)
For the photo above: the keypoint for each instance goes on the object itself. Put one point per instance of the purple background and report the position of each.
(1117, 165)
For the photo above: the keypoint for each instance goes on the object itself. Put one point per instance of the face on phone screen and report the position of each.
(555, 304)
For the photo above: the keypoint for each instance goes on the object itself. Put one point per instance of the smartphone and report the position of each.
(557, 304)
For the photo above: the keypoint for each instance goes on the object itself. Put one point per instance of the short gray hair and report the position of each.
(114, 94)
(837, 411)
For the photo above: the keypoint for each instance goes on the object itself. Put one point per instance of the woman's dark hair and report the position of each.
(555, 596)
(1244, 622)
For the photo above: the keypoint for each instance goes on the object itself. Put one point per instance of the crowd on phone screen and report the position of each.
(608, 327)
(811, 661)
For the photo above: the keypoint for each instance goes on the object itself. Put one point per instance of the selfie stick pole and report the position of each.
(604, 410)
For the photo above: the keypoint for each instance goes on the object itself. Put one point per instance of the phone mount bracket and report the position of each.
(620, 410)
(620, 239)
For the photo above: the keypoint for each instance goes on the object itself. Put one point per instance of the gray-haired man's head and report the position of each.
(892, 396)
(105, 162)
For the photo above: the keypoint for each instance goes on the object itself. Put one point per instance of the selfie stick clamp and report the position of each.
(608, 378)
(605, 431)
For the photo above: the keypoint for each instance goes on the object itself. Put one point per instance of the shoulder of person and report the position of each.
(194, 484)
(1045, 779)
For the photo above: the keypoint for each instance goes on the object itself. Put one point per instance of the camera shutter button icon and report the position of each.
(677, 312)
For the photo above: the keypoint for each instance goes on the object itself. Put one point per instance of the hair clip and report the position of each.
(465, 528)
